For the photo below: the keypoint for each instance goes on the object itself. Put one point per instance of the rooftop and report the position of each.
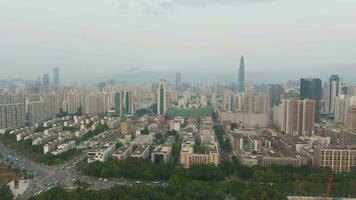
(140, 149)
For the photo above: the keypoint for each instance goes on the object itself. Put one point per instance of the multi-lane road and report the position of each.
(64, 175)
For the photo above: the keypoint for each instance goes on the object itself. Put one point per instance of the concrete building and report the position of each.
(227, 100)
(336, 158)
(347, 138)
(162, 153)
(141, 152)
(125, 127)
(123, 152)
(143, 139)
(36, 112)
(351, 117)
(297, 161)
(12, 115)
(101, 154)
(342, 105)
(295, 117)
(64, 147)
(256, 103)
(188, 157)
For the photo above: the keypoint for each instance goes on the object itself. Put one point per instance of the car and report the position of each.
(105, 180)
(100, 179)
(138, 182)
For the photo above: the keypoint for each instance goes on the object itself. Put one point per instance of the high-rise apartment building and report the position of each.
(161, 98)
(36, 112)
(351, 117)
(12, 115)
(241, 77)
(227, 103)
(257, 103)
(342, 105)
(295, 117)
(311, 89)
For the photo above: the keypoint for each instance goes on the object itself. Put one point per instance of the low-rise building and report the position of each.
(141, 152)
(143, 139)
(123, 152)
(336, 158)
(102, 153)
(162, 153)
(51, 146)
(297, 161)
(189, 158)
(64, 147)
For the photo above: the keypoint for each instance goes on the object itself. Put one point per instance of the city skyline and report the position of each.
(89, 48)
(177, 99)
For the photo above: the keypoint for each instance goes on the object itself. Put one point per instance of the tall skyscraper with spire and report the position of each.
(241, 78)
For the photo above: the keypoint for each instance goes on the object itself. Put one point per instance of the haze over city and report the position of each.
(177, 100)
(144, 40)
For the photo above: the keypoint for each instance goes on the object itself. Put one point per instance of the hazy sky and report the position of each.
(91, 40)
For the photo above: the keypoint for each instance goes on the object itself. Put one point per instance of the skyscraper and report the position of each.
(178, 81)
(241, 79)
(275, 93)
(128, 103)
(45, 80)
(56, 76)
(161, 98)
(311, 89)
(118, 103)
(333, 90)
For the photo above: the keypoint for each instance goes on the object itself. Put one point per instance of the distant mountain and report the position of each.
(137, 76)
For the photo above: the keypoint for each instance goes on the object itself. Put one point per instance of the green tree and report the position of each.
(147, 174)
(5, 193)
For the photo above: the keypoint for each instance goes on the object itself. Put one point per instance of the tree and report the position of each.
(145, 131)
(147, 174)
(5, 193)
(258, 176)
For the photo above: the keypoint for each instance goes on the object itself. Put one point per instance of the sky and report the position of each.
(144, 40)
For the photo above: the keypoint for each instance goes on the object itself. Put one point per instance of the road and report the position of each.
(64, 175)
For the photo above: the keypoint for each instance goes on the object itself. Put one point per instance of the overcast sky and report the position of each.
(91, 40)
